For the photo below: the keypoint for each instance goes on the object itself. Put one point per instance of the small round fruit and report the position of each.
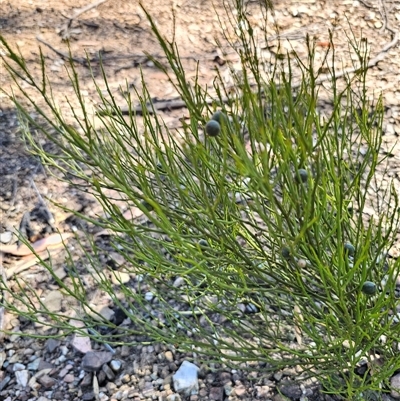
(302, 175)
(286, 254)
(369, 288)
(219, 117)
(203, 243)
(349, 248)
(213, 128)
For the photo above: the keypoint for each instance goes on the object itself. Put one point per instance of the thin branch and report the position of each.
(65, 56)
(85, 9)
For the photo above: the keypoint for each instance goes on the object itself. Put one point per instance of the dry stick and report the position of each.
(86, 8)
(53, 241)
(176, 104)
(62, 54)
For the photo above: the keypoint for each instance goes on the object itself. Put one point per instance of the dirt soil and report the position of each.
(120, 31)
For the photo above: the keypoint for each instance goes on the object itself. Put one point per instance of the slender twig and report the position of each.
(85, 9)
(62, 54)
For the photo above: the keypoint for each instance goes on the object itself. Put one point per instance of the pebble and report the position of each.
(115, 365)
(53, 301)
(109, 372)
(52, 345)
(5, 237)
(47, 381)
(216, 394)
(34, 365)
(149, 296)
(169, 356)
(240, 390)
(69, 378)
(185, 379)
(395, 386)
(118, 278)
(93, 361)
(18, 366)
(22, 377)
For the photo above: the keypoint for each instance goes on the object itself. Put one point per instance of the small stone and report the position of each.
(44, 365)
(90, 396)
(228, 388)
(115, 365)
(262, 391)
(395, 386)
(87, 381)
(5, 237)
(22, 377)
(125, 351)
(47, 381)
(18, 366)
(185, 379)
(216, 393)
(34, 365)
(291, 390)
(240, 390)
(149, 296)
(53, 301)
(169, 356)
(109, 372)
(93, 361)
(118, 278)
(64, 371)
(225, 377)
(81, 343)
(60, 273)
(179, 281)
(69, 378)
(52, 345)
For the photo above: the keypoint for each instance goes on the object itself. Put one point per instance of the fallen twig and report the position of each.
(65, 56)
(86, 8)
(25, 264)
(51, 242)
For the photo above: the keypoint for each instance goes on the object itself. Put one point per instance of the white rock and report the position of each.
(149, 296)
(395, 385)
(5, 237)
(18, 366)
(22, 377)
(185, 379)
(115, 365)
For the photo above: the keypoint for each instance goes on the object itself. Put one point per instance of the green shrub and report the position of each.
(262, 223)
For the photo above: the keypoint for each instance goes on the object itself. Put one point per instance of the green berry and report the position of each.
(369, 288)
(203, 243)
(302, 175)
(286, 254)
(349, 248)
(219, 117)
(213, 128)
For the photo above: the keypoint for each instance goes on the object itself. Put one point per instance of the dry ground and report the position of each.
(120, 32)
